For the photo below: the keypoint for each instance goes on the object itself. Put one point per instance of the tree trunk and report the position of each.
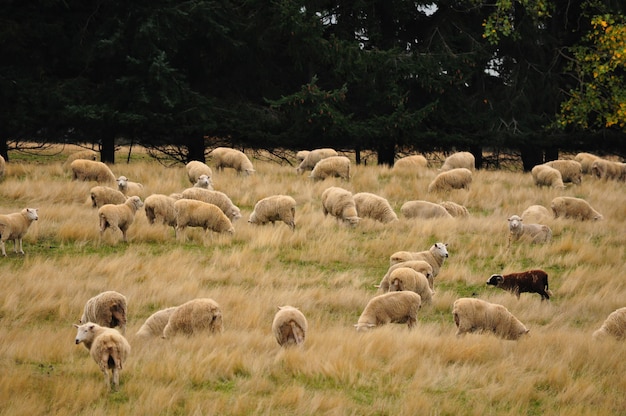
(386, 152)
(477, 151)
(107, 151)
(531, 157)
(195, 148)
(552, 153)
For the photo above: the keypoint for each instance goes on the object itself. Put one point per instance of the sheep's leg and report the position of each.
(21, 251)
(116, 378)
(105, 371)
(4, 252)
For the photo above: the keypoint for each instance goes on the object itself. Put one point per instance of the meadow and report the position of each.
(327, 270)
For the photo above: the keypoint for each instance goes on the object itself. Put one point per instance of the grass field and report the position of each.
(326, 269)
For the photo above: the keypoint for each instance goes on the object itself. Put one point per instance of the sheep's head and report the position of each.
(31, 214)
(515, 223)
(441, 249)
(85, 332)
(495, 280)
(122, 182)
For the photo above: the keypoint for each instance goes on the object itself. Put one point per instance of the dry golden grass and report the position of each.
(327, 270)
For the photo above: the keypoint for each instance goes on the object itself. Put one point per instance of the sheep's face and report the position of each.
(515, 223)
(441, 249)
(122, 181)
(495, 280)
(204, 182)
(84, 332)
(31, 214)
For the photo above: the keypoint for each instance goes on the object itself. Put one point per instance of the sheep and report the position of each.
(289, 326)
(225, 157)
(420, 266)
(614, 326)
(193, 213)
(129, 188)
(159, 209)
(108, 348)
(576, 208)
(106, 309)
(571, 170)
(195, 169)
(413, 163)
(544, 175)
(274, 208)
(2, 166)
(153, 326)
(536, 233)
(333, 166)
(314, 156)
(405, 278)
(339, 203)
(586, 160)
(435, 256)
(90, 170)
(81, 154)
(195, 316)
(454, 209)
(374, 207)
(102, 195)
(607, 169)
(119, 216)
(459, 160)
(536, 214)
(203, 182)
(216, 198)
(530, 281)
(472, 314)
(14, 226)
(423, 209)
(459, 178)
(301, 155)
(392, 307)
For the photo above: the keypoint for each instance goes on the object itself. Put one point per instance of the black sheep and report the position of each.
(531, 281)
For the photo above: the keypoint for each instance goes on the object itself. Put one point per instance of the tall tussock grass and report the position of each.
(329, 271)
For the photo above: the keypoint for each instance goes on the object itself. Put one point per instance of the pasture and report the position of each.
(327, 270)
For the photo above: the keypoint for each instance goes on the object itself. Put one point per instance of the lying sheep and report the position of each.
(608, 170)
(586, 160)
(420, 266)
(14, 227)
(129, 188)
(108, 348)
(375, 207)
(405, 278)
(160, 209)
(454, 209)
(106, 309)
(544, 175)
(414, 163)
(332, 167)
(90, 170)
(530, 281)
(536, 214)
(314, 156)
(614, 326)
(193, 317)
(535, 233)
(154, 325)
(226, 157)
(472, 314)
(193, 213)
(459, 160)
(216, 198)
(571, 170)
(81, 154)
(289, 326)
(195, 169)
(102, 195)
(119, 216)
(392, 307)
(275, 208)
(435, 256)
(203, 182)
(339, 203)
(576, 208)
(424, 210)
(459, 178)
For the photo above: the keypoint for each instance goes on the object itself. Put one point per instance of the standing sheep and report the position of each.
(14, 226)
(459, 160)
(226, 157)
(375, 207)
(90, 170)
(81, 154)
(472, 314)
(301, 155)
(216, 198)
(154, 325)
(586, 160)
(108, 348)
(571, 170)
(454, 209)
(314, 156)
(332, 167)
(544, 175)
(536, 214)
(289, 326)
(129, 188)
(339, 203)
(424, 210)
(195, 169)
(420, 266)
(405, 278)
(275, 208)
(195, 316)
(160, 209)
(614, 326)
(536, 233)
(106, 309)
(192, 213)
(435, 256)
(102, 195)
(576, 208)
(607, 169)
(459, 178)
(531, 281)
(120, 216)
(392, 307)
(410, 164)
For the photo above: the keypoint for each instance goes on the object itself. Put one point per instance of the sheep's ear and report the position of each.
(76, 326)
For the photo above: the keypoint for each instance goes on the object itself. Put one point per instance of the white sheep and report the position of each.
(459, 160)
(544, 175)
(420, 266)
(203, 182)
(193, 213)
(154, 325)
(195, 169)
(405, 278)
(314, 156)
(458, 178)
(332, 167)
(216, 198)
(392, 307)
(193, 317)
(301, 155)
(275, 208)
(159, 209)
(289, 326)
(14, 226)
(536, 214)
(410, 164)
(586, 160)
(226, 157)
(608, 170)
(119, 216)
(106, 309)
(339, 203)
(423, 209)
(90, 170)
(576, 208)
(535, 233)
(471, 314)
(129, 188)
(101, 195)
(454, 209)
(375, 207)
(571, 170)
(614, 325)
(435, 256)
(108, 348)
(81, 154)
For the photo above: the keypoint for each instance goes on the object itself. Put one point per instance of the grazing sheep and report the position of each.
(102, 195)
(420, 266)
(374, 207)
(392, 307)
(203, 182)
(2, 166)
(454, 209)
(536, 214)
(129, 188)
(608, 170)
(435, 256)
(571, 171)
(81, 154)
(586, 160)
(576, 208)
(412, 164)
(459, 178)
(195, 316)
(119, 216)
(216, 198)
(332, 167)
(405, 278)
(90, 170)
(195, 169)
(275, 208)
(614, 326)
(544, 175)
(530, 281)
(472, 314)
(424, 210)
(14, 226)
(160, 209)
(459, 160)
(153, 327)
(314, 156)
(301, 155)
(536, 233)
(106, 309)
(339, 203)
(193, 213)
(289, 326)
(108, 348)
(226, 157)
